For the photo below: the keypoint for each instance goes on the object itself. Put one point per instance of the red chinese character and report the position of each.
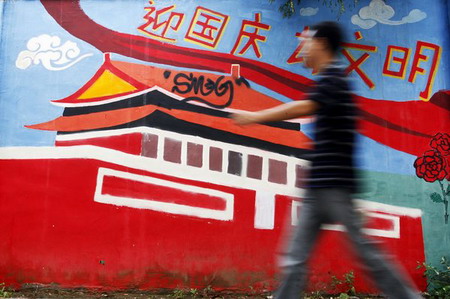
(417, 69)
(206, 27)
(402, 61)
(355, 64)
(295, 57)
(158, 28)
(252, 37)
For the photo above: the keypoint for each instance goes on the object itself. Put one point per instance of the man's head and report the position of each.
(323, 43)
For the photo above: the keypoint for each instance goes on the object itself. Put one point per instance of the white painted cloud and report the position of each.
(48, 51)
(380, 12)
(308, 11)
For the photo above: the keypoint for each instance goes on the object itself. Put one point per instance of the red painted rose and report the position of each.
(441, 143)
(448, 166)
(431, 166)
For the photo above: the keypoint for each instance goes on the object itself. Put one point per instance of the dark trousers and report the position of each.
(333, 205)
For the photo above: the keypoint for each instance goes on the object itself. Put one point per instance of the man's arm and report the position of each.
(282, 112)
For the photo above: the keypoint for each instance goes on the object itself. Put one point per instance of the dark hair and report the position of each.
(332, 33)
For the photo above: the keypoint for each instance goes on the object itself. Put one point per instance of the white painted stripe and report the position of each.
(184, 152)
(225, 160)
(183, 137)
(371, 209)
(265, 169)
(226, 147)
(304, 120)
(160, 148)
(170, 94)
(166, 207)
(291, 175)
(244, 162)
(393, 233)
(387, 208)
(205, 158)
(264, 209)
(146, 164)
(112, 100)
(368, 231)
(120, 98)
(295, 204)
(176, 170)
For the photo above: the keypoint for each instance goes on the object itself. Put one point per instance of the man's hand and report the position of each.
(244, 118)
(279, 113)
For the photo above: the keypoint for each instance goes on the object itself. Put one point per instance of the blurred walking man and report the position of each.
(332, 179)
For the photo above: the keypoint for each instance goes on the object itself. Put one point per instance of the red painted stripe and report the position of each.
(71, 17)
(128, 143)
(142, 190)
(374, 222)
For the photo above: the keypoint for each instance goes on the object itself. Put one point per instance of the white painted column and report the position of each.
(264, 209)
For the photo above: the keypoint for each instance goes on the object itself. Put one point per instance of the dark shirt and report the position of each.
(332, 162)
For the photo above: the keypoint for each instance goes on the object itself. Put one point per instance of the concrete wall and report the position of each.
(121, 169)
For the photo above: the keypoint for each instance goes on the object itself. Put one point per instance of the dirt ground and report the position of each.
(129, 294)
(46, 292)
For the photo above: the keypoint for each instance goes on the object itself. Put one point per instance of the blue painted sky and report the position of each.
(25, 94)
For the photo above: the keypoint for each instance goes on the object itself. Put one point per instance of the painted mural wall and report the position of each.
(120, 167)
